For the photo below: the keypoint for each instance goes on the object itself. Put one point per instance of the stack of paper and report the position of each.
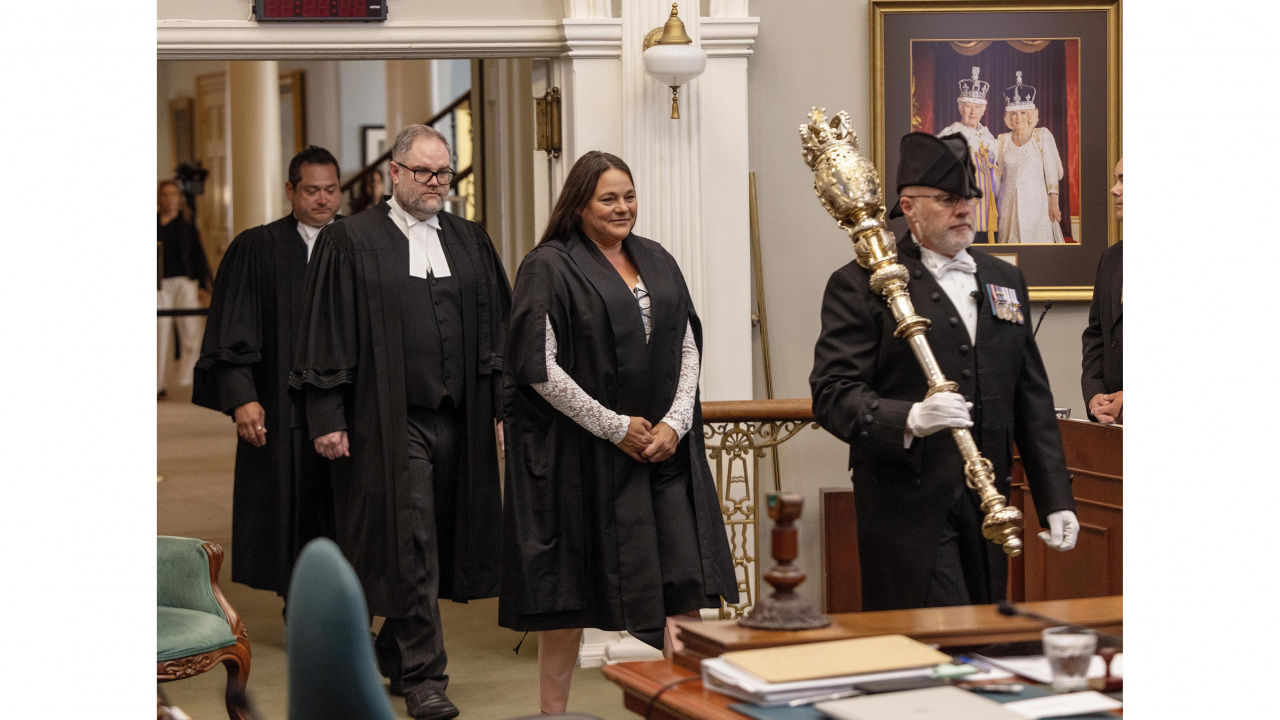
(782, 675)
(951, 703)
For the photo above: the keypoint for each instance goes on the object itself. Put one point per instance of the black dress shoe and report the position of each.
(430, 705)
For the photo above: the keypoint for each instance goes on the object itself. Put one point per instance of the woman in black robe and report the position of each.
(611, 516)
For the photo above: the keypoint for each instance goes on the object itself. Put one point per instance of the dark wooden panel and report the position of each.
(1095, 567)
(841, 573)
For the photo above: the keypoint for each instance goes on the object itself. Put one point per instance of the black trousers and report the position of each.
(968, 569)
(411, 649)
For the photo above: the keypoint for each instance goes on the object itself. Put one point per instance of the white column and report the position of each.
(664, 154)
(726, 227)
(257, 190)
(691, 176)
(589, 77)
(509, 158)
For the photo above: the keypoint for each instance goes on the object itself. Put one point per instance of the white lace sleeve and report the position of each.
(680, 416)
(569, 398)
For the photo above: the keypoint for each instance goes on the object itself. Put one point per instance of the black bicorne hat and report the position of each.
(937, 162)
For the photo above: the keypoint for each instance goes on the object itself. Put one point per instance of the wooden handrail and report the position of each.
(792, 409)
(464, 97)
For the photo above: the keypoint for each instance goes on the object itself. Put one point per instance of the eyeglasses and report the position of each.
(424, 175)
(946, 200)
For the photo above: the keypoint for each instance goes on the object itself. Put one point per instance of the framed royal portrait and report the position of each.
(1034, 88)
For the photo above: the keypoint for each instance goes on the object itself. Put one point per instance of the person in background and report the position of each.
(186, 280)
(398, 367)
(610, 516)
(972, 103)
(1102, 374)
(371, 192)
(1030, 168)
(282, 497)
(920, 540)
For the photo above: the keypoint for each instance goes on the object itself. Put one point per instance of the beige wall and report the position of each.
(399, 10)
(801, 62)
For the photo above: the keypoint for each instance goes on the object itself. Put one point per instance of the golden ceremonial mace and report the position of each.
(849, 188)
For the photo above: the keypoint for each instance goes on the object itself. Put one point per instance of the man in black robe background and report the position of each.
(282, 497)
(398, 370)
(919, 527)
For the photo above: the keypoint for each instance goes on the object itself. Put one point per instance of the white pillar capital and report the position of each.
(597, 38)
(729, 37)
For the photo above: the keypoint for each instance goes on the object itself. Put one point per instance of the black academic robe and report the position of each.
(351, 337)
(864, 382)
(282, 497)
(581, 532)
(1102, 365)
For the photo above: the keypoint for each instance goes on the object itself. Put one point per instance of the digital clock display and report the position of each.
(320, 10)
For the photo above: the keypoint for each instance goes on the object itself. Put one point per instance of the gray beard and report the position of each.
(948, 245)
(417, 207)
(941, 241)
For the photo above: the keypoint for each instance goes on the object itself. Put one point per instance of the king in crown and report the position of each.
(982, 144)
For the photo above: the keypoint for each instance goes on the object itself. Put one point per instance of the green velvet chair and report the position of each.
(332, 671)
(196, 628)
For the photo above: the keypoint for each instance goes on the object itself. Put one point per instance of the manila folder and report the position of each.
(835, 658)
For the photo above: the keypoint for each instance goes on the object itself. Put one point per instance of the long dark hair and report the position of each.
(578, 189)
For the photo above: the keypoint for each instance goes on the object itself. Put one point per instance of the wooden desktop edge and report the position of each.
(947, 627)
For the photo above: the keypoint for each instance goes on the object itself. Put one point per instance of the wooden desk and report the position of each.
(948, 627)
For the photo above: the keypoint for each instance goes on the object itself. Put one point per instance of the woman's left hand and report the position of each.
(1055, 213)
(663, 445)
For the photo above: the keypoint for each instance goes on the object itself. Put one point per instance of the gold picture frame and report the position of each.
(1053, 272)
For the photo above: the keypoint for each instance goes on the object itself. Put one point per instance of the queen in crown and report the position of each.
(1030, 168)
(982, 145)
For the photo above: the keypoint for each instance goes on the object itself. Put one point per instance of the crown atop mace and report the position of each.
(975, 90)
(820, 135)
(1019, 97)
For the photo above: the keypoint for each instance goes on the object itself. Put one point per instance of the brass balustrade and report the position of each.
(740, 434)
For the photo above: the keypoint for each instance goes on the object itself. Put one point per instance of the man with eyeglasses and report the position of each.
(282, 497)
(398, 371)
(920, 542)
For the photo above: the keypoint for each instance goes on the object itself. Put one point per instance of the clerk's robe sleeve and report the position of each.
(328, 342)
(540, 570)
(535, 301)
(494, 324)
(232, 348)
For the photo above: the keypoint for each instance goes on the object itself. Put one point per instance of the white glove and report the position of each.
(1062, 532)
(936, 412)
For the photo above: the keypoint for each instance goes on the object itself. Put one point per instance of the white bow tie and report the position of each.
(961, 263)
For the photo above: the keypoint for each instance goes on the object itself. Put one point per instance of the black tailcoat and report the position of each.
(1103, 339)
(282, 496)
(351, 337)
(864, 382)
(581, 531)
